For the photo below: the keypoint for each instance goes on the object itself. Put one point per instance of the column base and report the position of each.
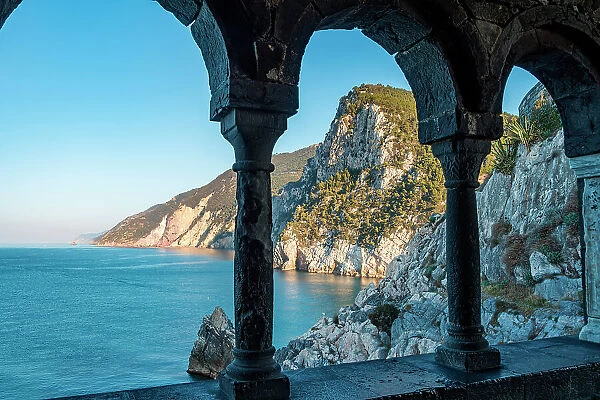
(478, 360)
(254, 375)
(591, 331)
(274, 388)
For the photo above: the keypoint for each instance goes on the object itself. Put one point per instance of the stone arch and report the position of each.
(564, 59)
(424, 42)
(561, 50)
(6, 8)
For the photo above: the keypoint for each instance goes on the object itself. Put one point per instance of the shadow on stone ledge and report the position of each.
(548, 369)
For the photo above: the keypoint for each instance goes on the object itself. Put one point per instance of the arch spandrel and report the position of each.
(260, 44)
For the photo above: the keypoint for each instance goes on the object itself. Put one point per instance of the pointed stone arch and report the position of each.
(424, 40)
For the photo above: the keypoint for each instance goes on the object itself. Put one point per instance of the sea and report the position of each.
(85, 319)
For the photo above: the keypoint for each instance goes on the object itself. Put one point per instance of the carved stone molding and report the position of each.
(461, 160)
(256, 95)
(253, 134)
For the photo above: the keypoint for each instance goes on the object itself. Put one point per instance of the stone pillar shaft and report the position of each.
(253, 374)
(464, 345)
(587, 168)
(253, 263)
(463, 270)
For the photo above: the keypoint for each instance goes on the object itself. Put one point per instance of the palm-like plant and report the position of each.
(504, 151)
(523, 132)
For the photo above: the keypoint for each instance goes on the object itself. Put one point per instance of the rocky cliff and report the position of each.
(203, 217)
(531, 273)
(362, 196)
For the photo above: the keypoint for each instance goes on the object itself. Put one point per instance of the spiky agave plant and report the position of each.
(523, 132)
(504, 151)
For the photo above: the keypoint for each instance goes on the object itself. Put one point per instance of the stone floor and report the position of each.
(558, 368)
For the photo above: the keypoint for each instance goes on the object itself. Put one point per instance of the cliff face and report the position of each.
(531, 273)
(203, 217)
(528, 230)
(361, 197)
(348, 210)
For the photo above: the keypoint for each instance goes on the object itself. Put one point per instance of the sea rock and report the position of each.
(212, 351)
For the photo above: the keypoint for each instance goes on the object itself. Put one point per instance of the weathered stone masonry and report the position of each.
(456, 55)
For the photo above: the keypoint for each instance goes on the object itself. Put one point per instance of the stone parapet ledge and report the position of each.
(557, 368)
(587, 168)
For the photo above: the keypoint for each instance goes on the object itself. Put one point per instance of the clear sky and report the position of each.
(104, 111)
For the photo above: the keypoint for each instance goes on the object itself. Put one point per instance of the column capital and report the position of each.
(253, 95)
(461, 160)
(586, 166)
(253, 134)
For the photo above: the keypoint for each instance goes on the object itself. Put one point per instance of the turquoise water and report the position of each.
(84, 319)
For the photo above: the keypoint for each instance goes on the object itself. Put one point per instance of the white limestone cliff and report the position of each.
(355, 142)
(536, 298)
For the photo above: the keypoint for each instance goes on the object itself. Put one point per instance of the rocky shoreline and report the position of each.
(538, 298)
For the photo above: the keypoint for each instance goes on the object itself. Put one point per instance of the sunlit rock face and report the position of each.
(537, 295)
(370, 150)
(203, 217)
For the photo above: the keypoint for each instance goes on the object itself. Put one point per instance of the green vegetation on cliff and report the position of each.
(542, 123)
(288, 167)
(349, 205)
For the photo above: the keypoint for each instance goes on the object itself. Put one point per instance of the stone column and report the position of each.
(464, 346)
(253, 374)
(587, 168)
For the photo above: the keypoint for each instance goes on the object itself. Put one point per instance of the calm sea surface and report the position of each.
(84, 319)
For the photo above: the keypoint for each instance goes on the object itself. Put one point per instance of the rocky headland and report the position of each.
(213, 350)
(531, 273)
(364, 194)
(347, 206)
(528, 221)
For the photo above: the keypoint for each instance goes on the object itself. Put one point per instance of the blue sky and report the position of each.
(104, 111)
